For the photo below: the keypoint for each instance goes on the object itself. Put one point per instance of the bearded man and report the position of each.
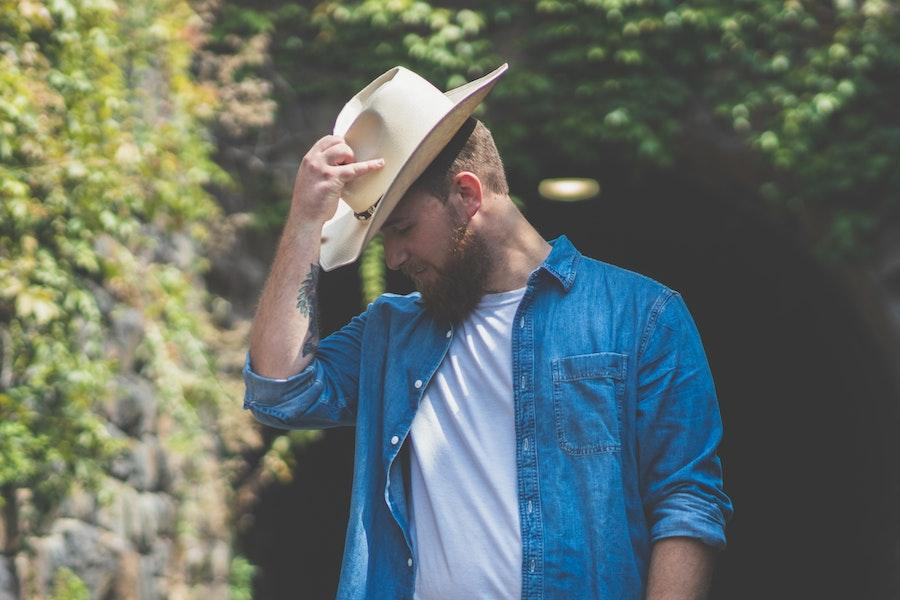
(531, 423)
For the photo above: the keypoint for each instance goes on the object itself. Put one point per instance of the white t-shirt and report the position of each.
(465, 509)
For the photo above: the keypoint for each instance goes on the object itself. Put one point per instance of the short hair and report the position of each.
(472, 149)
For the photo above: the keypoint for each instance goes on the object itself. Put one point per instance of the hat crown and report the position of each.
(388, 119)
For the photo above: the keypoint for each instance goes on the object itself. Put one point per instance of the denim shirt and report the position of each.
(616, 426)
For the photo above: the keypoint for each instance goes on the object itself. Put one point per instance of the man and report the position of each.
(531, 423)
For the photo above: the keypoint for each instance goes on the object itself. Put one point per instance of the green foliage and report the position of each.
(371, 270)
(103, 157)
(280, 459)
(240, 579)
(799, 88)
(798, 95)
(68, 586)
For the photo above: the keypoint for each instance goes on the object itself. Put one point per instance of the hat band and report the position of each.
(365, 215)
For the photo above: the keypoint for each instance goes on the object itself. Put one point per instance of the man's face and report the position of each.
(432, 243)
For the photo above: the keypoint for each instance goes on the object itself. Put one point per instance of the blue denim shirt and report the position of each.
(616, 424)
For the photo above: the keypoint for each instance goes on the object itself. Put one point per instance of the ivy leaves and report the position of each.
(103, 157)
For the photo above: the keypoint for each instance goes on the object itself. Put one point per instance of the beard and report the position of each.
(452, 293)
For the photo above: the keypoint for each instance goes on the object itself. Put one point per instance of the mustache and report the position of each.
(411, 269)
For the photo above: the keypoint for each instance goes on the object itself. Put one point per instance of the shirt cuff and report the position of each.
(269, 391)
(685, 515)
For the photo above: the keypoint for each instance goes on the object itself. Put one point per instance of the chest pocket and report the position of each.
(587, 402)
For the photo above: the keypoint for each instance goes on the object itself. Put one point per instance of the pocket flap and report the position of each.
(586, 366)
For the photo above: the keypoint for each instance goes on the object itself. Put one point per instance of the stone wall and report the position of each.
(158, 525)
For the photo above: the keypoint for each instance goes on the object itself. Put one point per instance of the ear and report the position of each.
(467, 193)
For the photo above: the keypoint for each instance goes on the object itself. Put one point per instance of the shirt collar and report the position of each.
(561, 261)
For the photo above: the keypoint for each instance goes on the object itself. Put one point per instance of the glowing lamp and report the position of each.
(569, 189)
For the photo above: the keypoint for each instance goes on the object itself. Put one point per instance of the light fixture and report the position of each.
(569, 189)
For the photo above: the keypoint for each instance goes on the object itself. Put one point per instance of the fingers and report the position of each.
(339, 154)
(322, 174)
(326, 142)
(353, 170)
(333, 157)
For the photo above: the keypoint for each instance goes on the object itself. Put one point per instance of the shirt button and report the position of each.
(408, 562)
(418, 383)
(525, 445)
(531, 566)
(530, 507)
(522, 322)
(394, 440)
(449, 333)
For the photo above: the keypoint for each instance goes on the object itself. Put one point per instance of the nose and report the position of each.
(394, 253)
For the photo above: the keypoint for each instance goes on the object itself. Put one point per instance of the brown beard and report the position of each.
(454, 292)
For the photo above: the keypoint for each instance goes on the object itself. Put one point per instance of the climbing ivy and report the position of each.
(790, 102)
(103, 162)
(799, 94)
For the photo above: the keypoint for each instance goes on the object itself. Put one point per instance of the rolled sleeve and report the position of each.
(322, 395)
(684, 515)
(285, 403)
(679, 430)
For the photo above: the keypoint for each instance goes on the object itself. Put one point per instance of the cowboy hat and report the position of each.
(405, 120)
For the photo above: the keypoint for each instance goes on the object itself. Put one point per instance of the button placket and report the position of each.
(523, 355)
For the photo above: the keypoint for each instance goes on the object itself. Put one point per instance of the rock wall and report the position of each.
(158, 525)
(124, 100)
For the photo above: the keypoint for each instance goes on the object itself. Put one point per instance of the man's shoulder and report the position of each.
(636, 298)
(598, 272)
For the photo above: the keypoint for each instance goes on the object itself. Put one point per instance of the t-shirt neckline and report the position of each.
(497, 299)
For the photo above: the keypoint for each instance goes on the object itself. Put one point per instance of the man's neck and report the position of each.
(518, 250)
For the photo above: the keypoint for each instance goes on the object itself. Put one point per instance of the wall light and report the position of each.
(569, 189)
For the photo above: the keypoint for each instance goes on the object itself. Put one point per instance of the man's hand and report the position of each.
(680, 569)
(285, 332)
(323, 172)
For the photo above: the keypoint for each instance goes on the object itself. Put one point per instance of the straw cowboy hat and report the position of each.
(405, 120)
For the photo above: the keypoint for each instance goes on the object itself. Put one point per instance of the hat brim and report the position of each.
(344, 236)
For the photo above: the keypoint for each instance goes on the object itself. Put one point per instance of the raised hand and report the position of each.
(322, 175)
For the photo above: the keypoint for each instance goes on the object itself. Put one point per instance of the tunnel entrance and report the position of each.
(809, 406)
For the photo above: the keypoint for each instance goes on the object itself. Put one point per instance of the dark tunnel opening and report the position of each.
(808, 403)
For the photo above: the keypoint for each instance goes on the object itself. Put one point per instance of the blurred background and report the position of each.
(745, 152)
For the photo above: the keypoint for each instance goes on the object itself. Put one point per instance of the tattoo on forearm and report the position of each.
(311, 343)
(307, 305)
(306, 298)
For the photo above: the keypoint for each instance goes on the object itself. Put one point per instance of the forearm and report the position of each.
(285, 332)
(680, 569)
(284, 335)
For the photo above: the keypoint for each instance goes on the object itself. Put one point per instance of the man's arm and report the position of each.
(679, 429)
(284, 335)
(680, 569)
